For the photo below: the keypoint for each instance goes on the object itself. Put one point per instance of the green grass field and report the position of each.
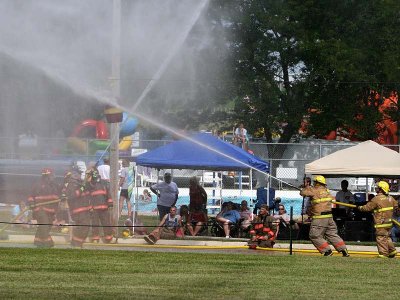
(94, 274)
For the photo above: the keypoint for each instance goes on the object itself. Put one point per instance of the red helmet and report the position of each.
(47, 171)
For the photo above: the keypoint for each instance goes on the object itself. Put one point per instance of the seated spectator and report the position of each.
(196, 221)
(227, 217)
(246, 216)
(263, 230)
(184, 213)
(170, 227)
(282, 220)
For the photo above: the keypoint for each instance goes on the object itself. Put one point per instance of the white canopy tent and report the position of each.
(367, 159)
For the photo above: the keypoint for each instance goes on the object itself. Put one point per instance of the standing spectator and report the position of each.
(104, 170)
(169, 227)
(263, 229)
(306, 200)
(124, 185)
(344, 195)
(240, 137)
(198, 195)
(227, 217)
(322, 224)
(383, 207)
(167, 194)
(46, 191)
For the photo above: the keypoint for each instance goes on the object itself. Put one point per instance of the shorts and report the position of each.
(198, 217)
(124, 193)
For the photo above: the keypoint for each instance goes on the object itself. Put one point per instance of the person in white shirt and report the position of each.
(124, 185)
(104, 170)
(167, 194)
(240, 137)
(344, 195)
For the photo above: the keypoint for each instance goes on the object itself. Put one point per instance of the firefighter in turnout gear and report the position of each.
(383, 207)
(263, 230)
(44, 203)
(322, 224)
(101, 202)
(79, 206)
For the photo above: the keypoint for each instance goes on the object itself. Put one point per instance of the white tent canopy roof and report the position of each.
(367, 159)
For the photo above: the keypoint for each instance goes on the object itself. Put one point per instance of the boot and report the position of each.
(345, 253)
(328, 253)
(392, 254)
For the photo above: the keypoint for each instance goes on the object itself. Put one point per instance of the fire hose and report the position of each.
(354, 206)
(25, 210)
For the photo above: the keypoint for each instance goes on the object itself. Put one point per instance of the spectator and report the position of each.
(345, 195)
(124, 185)
(167, 194)
(196, 221)
(146, 197)
(227, 217)
(306, 200)
(104, 170)
(240, 137)
(263, 230)
(170, 227)
(282, 220)
(198, 196)
(246, 216)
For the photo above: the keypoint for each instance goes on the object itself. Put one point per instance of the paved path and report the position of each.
(210, 245)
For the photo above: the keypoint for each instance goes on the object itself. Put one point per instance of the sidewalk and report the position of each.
(192, 242)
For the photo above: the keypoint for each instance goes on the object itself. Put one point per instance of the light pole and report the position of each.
(116, 92)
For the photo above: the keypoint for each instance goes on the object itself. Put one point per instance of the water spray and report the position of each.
(171, 54)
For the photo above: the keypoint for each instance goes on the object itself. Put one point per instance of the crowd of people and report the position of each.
(86, 202)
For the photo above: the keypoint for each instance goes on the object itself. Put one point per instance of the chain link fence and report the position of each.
(21, 161)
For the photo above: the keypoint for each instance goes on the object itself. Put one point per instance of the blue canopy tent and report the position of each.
(201, 152)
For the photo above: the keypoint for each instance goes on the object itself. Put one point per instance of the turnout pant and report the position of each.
(80, 233)
(42, 236)
(322, 230)
(102, 217)
(384, 241)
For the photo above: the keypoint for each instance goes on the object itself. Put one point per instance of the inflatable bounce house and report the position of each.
(91, 136)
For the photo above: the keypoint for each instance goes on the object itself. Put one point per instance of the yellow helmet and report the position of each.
(320, 179)
(384, 186)
(125, 233)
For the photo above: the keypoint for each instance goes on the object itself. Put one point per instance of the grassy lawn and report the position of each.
(93, 274)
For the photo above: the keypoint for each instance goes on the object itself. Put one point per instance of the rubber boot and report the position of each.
(345, 253)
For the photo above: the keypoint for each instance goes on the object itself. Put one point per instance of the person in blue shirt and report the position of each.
(227, 217)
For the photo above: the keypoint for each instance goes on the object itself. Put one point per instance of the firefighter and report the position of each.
(383, 206)
(101, 202)
(263, 230)
(322, 224)
(78, 199)
(47, 190)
